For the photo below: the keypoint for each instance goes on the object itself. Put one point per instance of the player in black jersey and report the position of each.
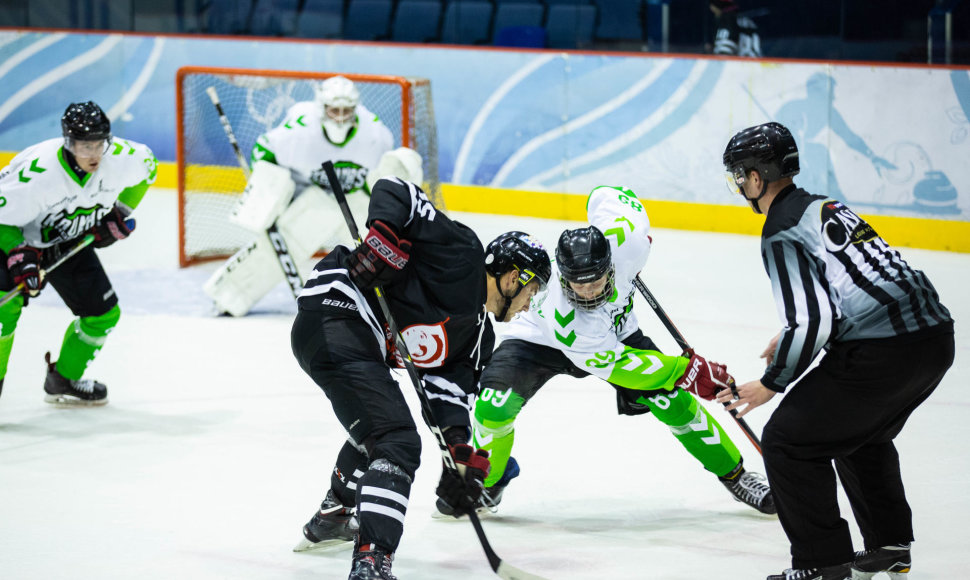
(888, 342)
(440, 285)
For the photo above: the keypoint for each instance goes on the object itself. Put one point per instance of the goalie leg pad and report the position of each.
(267, 194)
(314, 221)
(245, 278)
(403, 163)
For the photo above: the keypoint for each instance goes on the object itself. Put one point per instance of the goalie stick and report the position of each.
(287, 264)
(682, 342)
(85, 242)
(499, 566)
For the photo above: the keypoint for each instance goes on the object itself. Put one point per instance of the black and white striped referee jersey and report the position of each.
(834, 279)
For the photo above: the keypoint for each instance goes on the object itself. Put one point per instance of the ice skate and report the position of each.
(333, 524)
(840, 572)
(63, 392)
(371, 562)
(750, 488)
(491, 496)
(893, 560)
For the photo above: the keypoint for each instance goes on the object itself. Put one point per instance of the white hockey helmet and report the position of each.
(402, 162)
(338, 98)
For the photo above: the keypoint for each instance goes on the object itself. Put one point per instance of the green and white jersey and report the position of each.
(299, 144)
(43, 200)
(592, 340)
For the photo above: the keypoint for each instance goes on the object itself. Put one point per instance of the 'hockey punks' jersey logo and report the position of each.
(841, 227)
(67, 226)
(352, 176)
(428, 344)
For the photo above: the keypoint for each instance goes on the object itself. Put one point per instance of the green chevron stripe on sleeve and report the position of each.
(34, 168)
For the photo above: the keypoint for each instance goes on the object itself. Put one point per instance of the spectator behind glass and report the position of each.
(734, 35)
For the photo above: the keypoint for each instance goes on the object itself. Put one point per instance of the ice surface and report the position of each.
(215, 448)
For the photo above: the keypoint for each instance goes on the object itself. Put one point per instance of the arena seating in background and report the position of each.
(416, 21)
(368, 20)
(467, 22)
(560, 24)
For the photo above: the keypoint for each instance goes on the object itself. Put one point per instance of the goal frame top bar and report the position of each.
(184, 71)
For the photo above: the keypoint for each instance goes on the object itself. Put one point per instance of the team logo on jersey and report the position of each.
(428, 344)
(352, 176)
(69, 225)
(841, 227)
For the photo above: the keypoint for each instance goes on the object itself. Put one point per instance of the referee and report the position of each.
(888, 342)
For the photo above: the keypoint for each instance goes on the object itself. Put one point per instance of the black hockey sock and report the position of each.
(350, 466)
(382, 495)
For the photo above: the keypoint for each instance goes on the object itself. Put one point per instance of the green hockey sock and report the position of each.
(493, 428)
(9, 316)
(82, 341)
(696, 430)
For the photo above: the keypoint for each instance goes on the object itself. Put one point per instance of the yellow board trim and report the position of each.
(930, 234)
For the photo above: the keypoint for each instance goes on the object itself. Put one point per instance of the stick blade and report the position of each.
(508, 572)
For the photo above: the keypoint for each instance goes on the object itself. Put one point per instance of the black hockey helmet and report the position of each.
(583, 256)
(769, 149)
(521, 252)
(85, 122)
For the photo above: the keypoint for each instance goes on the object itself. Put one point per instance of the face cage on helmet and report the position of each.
(589, 303)
(87, 148)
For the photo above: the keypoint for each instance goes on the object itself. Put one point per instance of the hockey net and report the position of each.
(210, 179)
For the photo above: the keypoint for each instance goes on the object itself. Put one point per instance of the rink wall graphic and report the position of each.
(530, 132)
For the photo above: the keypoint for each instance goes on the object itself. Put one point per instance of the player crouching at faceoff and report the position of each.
(584, 326)
(440, 287)
(55, 193)
(289, 191)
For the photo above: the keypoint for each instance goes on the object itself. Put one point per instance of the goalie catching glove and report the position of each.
(462, 491)
(379, 258)
(114, 226)
(23, 263)
(704, 378)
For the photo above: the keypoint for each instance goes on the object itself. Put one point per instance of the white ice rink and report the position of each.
(215, 448)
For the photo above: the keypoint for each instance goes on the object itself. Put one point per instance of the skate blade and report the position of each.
(306, 545)
(483, 514)
(68, 402)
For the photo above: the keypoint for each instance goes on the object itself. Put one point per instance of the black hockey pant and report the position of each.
(341, 354)
(849, 409)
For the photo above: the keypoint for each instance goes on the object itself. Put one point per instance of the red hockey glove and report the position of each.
(703, 378)
(463, 490)
(23, 263)
(114, 226)
(379, 259)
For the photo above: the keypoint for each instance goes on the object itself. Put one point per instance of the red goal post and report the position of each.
(210, 179)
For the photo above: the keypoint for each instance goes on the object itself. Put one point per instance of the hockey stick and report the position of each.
(290, 271)
(682, 342)
(499, 566)
(85, 242)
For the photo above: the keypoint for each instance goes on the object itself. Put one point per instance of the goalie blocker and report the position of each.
(304, 223)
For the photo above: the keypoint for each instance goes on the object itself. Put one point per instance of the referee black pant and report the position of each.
(848, 410)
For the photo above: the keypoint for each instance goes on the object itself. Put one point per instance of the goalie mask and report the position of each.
(86, 130)
(768, 149)
(586, 271)
(520, 252)
(338, 98)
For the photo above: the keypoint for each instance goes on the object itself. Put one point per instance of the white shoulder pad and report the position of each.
(402, 162)
(267, 194)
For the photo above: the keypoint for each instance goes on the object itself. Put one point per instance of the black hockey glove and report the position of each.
(114, 226)
(379, 258)
(463, 490)
(23, 263)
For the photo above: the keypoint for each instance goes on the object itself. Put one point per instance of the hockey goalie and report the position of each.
(287, 203)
